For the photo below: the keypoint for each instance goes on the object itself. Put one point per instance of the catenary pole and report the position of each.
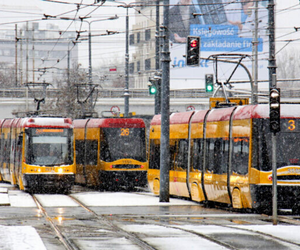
(272, 60)
(165, 110)
(255, 55)
(126, 90)
(272, 83)
(157, 61)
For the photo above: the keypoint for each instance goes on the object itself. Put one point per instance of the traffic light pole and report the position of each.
(272, 83)
(164, 195)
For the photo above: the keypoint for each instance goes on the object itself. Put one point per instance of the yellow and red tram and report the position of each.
(37, 153)
(111, 152)
(224, 156)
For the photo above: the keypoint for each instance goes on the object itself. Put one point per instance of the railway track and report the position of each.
(103, 221)
(169, 230)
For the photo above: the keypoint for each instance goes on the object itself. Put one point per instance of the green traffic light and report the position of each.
(152, 90)
(209, 88)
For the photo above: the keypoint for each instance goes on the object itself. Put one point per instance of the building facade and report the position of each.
(142, 64)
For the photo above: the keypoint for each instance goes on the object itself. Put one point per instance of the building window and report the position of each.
(138, 38)
(138, 66)
(131, 68)
(147, 34)
(131, 39)
(148, 64)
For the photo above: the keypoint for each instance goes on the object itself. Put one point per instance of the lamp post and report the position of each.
(126, 89)
(82, 19)
(90, 41)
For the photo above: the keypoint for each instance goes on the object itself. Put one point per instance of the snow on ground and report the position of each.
(56, 200)
(26, 237)
(125, 199)
(170, 238)
(18, 198)
(20, 237)
(291, 233)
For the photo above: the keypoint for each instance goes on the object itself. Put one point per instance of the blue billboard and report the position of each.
(224, 26)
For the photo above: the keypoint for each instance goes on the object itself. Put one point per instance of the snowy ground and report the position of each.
(26, 237)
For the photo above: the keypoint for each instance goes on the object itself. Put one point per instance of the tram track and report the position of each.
(131, 236)
(106, 222)
(191, 226)
(239, 230)
(62, 238)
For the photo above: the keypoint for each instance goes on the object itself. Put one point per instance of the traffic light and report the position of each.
(209, 83)
(152, 89)
(193, 51)
(274, 110)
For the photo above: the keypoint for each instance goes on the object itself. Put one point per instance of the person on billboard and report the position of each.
(246, 25)
(180, 19)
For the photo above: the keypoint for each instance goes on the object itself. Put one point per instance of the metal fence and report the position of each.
(134, 93)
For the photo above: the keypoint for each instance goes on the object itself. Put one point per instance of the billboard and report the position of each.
(225, 27)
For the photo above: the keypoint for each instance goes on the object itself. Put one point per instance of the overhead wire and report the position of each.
(64, 2)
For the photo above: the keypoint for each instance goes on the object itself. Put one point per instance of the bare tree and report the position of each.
(66, 103)
(288, 65)
(7, 75)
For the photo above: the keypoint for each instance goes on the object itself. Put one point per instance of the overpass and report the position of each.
(112, 100)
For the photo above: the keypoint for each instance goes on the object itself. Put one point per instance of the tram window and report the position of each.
(210, 154)
(182, 159)
(91, 152)
(173, 154)
(154, 159)
(224, 156)
(264, 152)
(240, 156)
(79, 145)
(197, 154)
(7, 150)
(217, 157)
(2, 147)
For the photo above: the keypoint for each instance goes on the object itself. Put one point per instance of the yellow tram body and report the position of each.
(111, 152)
(222, 156)
(27, 157)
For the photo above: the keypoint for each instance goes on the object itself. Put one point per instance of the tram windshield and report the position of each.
(120, 143)
(49, 147)
(287, 146)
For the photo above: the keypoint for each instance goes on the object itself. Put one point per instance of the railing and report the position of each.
(134, 93)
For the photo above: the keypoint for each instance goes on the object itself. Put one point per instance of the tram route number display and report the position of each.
(290, 125)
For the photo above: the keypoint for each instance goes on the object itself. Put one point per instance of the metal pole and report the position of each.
(126, 94)
(69, 84)
(165, 111)
(272, 60)
(27, 52)
(21, 58)
(274, 170)
(33, 77)
(90, 67)
(274, 178)
(90, 54)
(255, 56)
(157, 62)
(16, 54)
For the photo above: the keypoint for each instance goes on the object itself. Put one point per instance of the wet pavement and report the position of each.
(89, 219)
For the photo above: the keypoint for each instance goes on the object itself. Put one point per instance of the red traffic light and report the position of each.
(194, 43)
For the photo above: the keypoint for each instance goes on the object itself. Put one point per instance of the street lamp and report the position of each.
(82, 19)
(90, 40)
(126, 90)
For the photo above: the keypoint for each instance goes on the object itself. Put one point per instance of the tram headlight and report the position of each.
(60, 170)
